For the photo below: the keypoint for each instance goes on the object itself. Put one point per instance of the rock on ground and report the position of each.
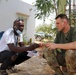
(34, 66)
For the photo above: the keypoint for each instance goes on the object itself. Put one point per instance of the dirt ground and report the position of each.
(34, 66)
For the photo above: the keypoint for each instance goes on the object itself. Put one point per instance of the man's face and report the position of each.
(20, 25)
(60, 24)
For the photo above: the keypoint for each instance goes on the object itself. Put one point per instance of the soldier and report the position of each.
(61, 57)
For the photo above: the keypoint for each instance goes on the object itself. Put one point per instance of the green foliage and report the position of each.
(44, 8)
(47, 29)
(44, 28)
(73, 18)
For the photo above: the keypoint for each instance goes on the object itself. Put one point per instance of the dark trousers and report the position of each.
(5, 59)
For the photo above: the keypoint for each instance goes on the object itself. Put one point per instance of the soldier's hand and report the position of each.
(51, 45)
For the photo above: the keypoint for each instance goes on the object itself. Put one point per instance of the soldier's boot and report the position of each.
(71, 61)
(51, 60)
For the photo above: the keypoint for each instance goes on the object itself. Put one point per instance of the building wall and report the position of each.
(12, 9)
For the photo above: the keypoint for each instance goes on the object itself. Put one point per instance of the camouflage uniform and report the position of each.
(59, 57)
(49, 55)
(70, 58)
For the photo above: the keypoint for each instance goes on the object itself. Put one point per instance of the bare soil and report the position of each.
(34, 66)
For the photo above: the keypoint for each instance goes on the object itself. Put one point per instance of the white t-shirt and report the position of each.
(9, 37)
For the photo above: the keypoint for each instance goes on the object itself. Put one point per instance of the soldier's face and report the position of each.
(60, 24)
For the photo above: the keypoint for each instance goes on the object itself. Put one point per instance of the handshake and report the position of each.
(48, 45)
(42, 47)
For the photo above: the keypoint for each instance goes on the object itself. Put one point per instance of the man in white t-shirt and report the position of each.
(12, 49)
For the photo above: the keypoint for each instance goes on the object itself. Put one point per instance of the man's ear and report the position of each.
(14, 27)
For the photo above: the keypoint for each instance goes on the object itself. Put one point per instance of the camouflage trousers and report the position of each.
(70, 61)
